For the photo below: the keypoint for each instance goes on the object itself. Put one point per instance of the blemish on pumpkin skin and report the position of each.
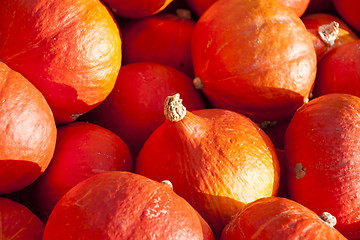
(299, 171)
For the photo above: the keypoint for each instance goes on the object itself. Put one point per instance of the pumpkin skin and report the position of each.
(322, 159)
(314, 21)
(278, 218)
(137, 9)
(131, 207)
(163, 38)
(263, 73)
(27, 130)
(339, 71)
(82, 150)
(70, 50)
(218, 160)
(17, 222)
(349, 11)
(135, 108)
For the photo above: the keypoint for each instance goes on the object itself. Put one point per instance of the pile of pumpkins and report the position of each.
(179, 119)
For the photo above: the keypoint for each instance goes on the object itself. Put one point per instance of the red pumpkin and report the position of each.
(17, 222)
(349, 11)
(27, 131)
(135, 109)
(137, 9)
(123, 205)
(322, 152)
(70, 50)
(82, 150)
(163, 38)
(339, 71)
(264, 72)
(329, 32)
(280, 218)
(218, 160)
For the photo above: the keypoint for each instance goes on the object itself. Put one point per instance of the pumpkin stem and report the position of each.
(329, 32)
(328, 218)
(299, 171)
(167, 183)
(198, 84)
(173, 109)
(183, 13)
(266, 124)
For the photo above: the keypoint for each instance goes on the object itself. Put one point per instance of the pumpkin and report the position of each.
(329, 31)
(70, 50)
(349, 11)
(322, 152)
(27, 131)
(82, 150)
(280, 218)
(17, 222)
(263, 67)
(339, 71)
(163, 38)
(217, 159)
(124, 205)
(137, 9)
(134, 109)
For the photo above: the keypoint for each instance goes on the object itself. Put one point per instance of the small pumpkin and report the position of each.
(17, 222)
(217, 159)
(280, 218)
(27, 131)
(263, 67)
(329, 31)
(134, 109)
(339, 71)
(137, 9)
(322, 152)
(349, 11)
(163, 38)
(123, 205)
(70, 50)
(82, 150)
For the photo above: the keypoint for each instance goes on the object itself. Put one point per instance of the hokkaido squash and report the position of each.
(254, 57)
(349, 11)
(27, 131)
(17, 222)
(123, 205)
(70, 50)
(163, 38)
(329, 31)
(217, 159)
(339, 71)
(322, 152)
(280, 218)
(134, 109)
(82, 150)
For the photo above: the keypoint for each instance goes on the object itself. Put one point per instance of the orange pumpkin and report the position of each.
(123, 205)
(27, 131)
(322, 152)
(17, 222)
(254, 57)
(70, 50)
(280, 218)
(329, 32)
(217, 159)
(82, 150)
